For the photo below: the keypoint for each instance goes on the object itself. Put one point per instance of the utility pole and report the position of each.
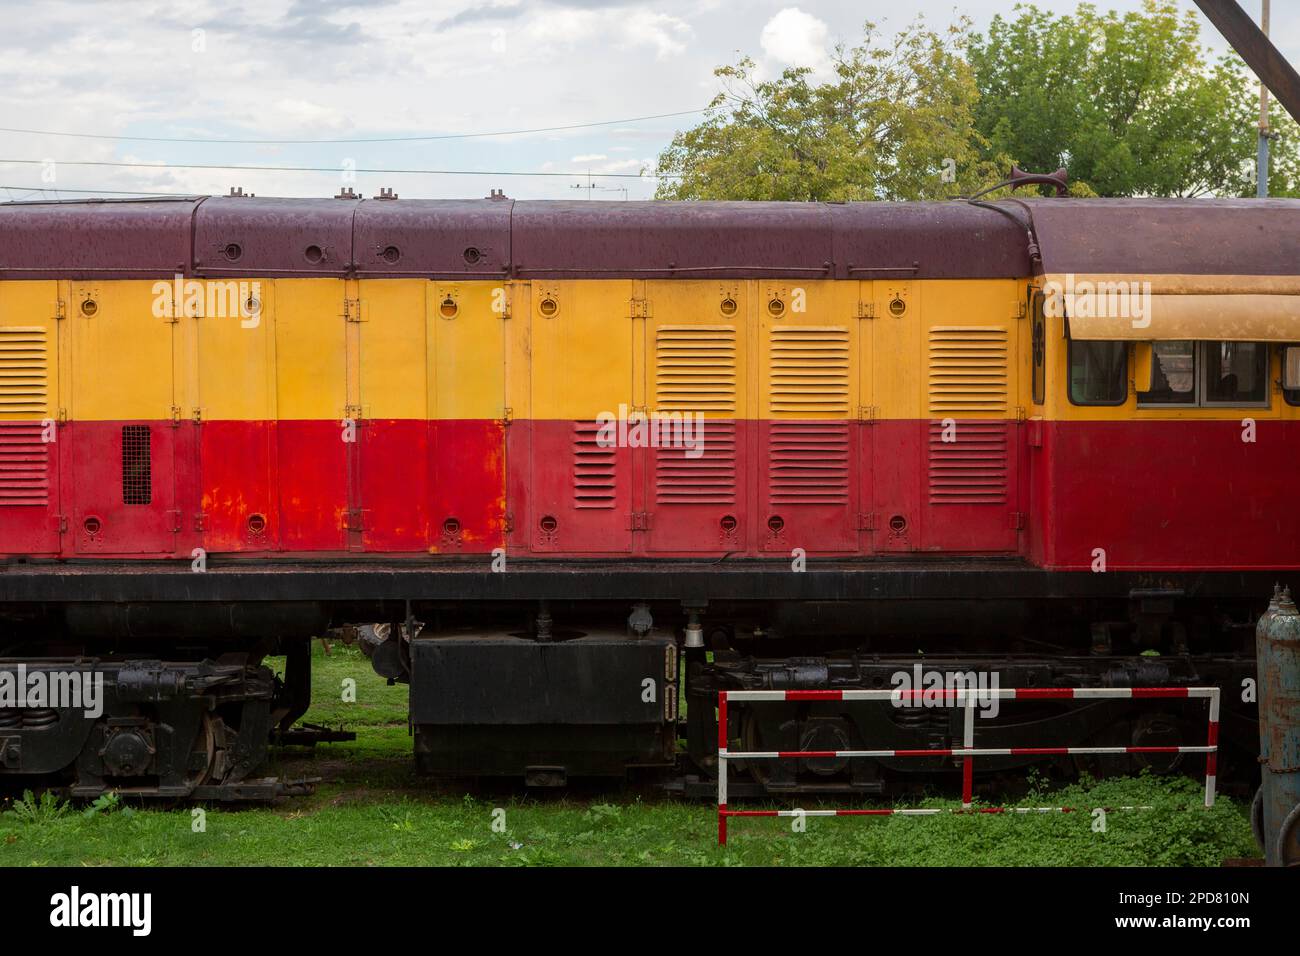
(1261, 161)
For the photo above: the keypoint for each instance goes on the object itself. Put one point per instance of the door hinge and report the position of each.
(176, 520)
(867, 522)
(1021, 310)
(640, 308)
(639, 521)
(62, 521)
(60, 310)
(507, 415)
(197, 417)
(509, 523)
(866, 310)
(1017, 521)
(200, 521)
(867, 414)
(352, 413)
(354, 520)
(63, 416)
(1021, 415)
(352, 310)
(176, 415)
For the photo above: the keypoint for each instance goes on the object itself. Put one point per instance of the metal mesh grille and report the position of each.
(137, 465)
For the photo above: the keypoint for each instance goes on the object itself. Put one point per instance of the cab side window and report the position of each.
(1098, 373)
(1207, 374)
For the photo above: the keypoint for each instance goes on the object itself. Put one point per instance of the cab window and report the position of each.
(1098, 373)
(1208, 374)
(1173, 375)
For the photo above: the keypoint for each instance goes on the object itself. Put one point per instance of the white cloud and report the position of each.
(795, 38)
(588, 158)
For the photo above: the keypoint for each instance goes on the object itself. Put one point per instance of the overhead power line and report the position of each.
(371, 139)
(160, 167)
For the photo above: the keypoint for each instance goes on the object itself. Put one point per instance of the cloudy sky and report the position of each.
(293, 70)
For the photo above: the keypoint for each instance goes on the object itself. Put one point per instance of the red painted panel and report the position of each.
(238, 495)
(106, 517)
(1173, 495)
(467, 494)
(580, 497)
(699, 501)
(971, 493)
(395, 491)
(895, 469)
(809, 486)
(312, 460)
(29, 489)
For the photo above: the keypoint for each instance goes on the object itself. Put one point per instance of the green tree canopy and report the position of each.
(1131, 103)
(880, 128)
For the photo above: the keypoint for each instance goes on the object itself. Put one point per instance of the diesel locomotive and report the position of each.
(570, 468)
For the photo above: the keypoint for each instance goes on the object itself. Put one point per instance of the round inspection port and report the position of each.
(256, 524)
(897, 306)
(391, 254)
(775, 524)
(232, 251)
(897, 524)
(548, 307)
(775, 306)
(473, 256)
(451, 527)
(449, 308)
(548, 524)
(89, 307)
(92, 525)
(728, 306)
(252, 306)
(313, 254)
(728, 523)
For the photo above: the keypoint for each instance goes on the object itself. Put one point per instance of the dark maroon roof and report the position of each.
(1169, 236)
(96, 238)
(465, 238)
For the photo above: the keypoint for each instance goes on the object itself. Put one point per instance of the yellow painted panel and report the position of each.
(228, 371)
(809, 350)
(29, 351)
(581, 342)
(970, 350)
(121, 352)
(697, 345)
(392, 353)
(310, 348)
(467, 340)
(896, 348)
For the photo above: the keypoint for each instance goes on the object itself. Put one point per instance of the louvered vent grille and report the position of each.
(809, 463)
(708, 479)
(24, 465)
(968, 369)
(810, 371)
(24, 372)
(972, 469)
(594, 465)
(695, 368)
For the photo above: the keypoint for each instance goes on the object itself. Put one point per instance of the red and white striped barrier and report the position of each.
(967, 698)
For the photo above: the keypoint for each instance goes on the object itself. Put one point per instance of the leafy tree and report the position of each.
(890, 121)
(1129, 102)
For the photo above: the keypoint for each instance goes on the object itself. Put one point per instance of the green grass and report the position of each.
(371, 809)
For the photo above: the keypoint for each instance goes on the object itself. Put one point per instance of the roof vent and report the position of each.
(346, 192)
(386, 192)
(237, 192)
(497, 194)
